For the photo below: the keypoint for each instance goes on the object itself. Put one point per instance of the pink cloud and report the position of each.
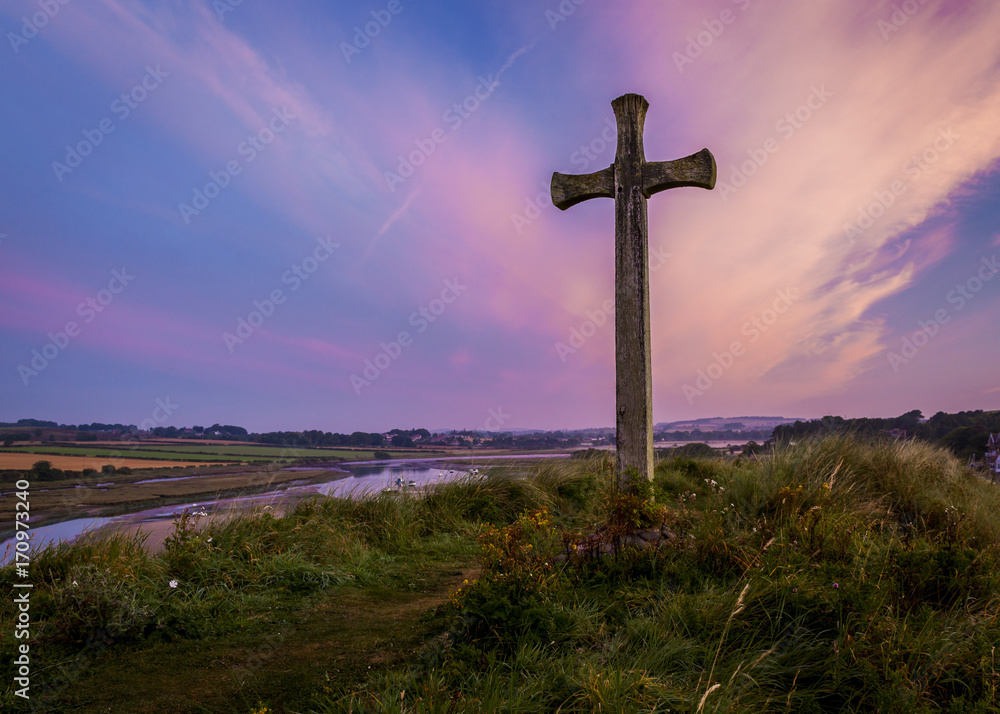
(787, 226)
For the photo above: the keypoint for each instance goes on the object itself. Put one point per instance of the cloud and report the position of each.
(391, 220)
(812, 146)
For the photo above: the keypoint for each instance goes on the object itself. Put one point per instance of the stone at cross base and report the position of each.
(630, 181)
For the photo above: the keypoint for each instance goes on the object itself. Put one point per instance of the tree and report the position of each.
(966, 441)
(694, 450)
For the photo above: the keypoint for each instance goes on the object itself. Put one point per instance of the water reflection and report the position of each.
(361, 480)
(371, 479)
(44, 536)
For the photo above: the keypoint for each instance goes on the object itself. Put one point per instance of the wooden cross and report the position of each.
(630, 181)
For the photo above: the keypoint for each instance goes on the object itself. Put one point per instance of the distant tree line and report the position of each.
(964, 433)
(401, 438)
(318, 438)
(529, 442)
(31, 423)
(740, 435)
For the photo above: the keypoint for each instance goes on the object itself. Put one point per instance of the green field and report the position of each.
(164, 454)
(207, 452)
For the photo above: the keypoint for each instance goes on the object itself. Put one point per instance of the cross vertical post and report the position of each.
(630, 181)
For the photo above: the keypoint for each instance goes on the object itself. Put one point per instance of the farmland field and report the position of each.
(152, 454)
(163, 453)
(23, 461)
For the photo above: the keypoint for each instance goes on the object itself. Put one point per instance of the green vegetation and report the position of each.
(202, 452)
(964, 434)
(835, 575)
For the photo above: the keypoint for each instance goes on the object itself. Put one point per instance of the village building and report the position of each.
(993, 453)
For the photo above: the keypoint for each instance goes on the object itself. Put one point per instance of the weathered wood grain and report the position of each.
(630, 181)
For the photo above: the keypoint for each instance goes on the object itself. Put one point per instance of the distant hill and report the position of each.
(741, 423)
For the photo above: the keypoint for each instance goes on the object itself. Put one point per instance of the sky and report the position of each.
(336, 216)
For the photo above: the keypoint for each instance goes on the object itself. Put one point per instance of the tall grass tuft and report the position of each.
(836, 574)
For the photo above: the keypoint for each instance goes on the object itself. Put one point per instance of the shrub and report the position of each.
(91, 603)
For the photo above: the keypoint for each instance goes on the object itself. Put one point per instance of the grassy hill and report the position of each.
(835, 575)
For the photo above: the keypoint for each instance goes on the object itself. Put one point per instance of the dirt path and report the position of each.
(344, 635)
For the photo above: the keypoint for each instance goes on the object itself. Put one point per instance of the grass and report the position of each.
(837, 575)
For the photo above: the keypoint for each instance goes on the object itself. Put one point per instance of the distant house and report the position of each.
(897, 433)
(993, 453)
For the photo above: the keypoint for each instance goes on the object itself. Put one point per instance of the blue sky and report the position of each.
(857, 147)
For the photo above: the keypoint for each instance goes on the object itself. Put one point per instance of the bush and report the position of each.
(92, 603)
(44, 471)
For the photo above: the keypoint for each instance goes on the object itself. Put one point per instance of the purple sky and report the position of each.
(238, 208)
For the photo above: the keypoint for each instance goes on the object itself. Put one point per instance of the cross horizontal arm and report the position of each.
(569, 190)
(696, 170)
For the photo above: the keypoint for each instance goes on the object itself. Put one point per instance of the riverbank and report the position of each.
(149, 502)
(836, 575)
(102, 495)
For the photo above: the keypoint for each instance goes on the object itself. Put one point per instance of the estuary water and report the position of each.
(355, 479)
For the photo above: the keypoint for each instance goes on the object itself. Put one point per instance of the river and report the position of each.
(357, 479)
